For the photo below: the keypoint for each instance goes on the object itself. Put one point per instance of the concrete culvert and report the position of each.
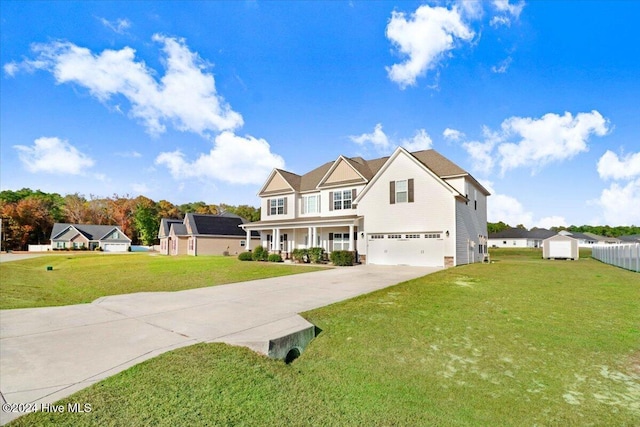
(292, 355)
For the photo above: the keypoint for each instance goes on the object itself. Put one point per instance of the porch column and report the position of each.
(315, 236)
(247, 246)
(351, 238)
(309, 237)
(275, 240)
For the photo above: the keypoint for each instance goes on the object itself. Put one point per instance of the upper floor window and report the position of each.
(311, 204)
(342, 199)
(277, 206)
(401, 191)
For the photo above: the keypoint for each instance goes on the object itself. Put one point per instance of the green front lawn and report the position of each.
(82, 277)
(519, 342)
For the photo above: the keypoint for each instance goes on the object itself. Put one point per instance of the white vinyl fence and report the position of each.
(625, 256)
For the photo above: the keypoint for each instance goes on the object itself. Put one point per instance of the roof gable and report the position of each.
(342, 171)
(402, 152)
(280, 181)
(91, 231)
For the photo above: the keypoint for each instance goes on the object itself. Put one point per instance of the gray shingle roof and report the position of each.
(90, 231)
(521, 233)
(433, 160)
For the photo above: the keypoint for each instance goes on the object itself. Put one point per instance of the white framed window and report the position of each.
(276, 206)
(311, 204)
(412, 236)
(402, 191)
(432, 236)
(243, 243)
(340, 241)
(395, 236)
(342, 200)
(376, 236)
(115, 234)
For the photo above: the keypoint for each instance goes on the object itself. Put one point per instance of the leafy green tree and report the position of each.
(146, 222)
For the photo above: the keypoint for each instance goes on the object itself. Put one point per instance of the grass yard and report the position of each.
(82, 277)
(519, 342)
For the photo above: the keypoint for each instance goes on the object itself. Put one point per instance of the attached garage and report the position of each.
(115, 247)
(560, 247)
(419, 249)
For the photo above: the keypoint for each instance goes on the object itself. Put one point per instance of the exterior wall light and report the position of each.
(447, 233)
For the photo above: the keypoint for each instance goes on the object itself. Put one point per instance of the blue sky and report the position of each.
(189, 101)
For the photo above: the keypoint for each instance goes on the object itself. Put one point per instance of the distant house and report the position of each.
(78, 236)
(601, 240)
(519, 238)
(583, 239)
(634, 238)
(200, 234)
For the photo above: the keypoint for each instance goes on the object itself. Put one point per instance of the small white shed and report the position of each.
(560, 247)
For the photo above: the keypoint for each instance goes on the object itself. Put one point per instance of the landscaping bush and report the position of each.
(342, 258)
(260, 254)
(316, 255)
(275, 258)
(245, 256)
(299, 255)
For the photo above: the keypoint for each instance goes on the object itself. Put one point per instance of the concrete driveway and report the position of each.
(49, 353)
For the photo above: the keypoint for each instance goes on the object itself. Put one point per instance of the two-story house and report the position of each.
(406, 209)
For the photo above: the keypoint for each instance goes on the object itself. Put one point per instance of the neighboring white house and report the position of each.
(87, 236)
(406, 209)
(519, 238)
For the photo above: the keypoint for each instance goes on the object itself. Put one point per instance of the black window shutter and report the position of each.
(392, 192)
(353, 196)
(410, 188)
(331, 237)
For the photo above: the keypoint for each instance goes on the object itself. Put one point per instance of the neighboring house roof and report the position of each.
(580, 236)
(434, 161)
(521, 233)
(634, 238)
(165, 226)
(90, 231)
(225, 224)
(179, 229)
(603, 238)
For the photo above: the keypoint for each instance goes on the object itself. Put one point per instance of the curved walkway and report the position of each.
(49, 353)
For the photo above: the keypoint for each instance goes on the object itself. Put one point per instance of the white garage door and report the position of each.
(560, 249)
(424, 249)
(114, 247)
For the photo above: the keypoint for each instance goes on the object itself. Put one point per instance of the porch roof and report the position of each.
(316, 221)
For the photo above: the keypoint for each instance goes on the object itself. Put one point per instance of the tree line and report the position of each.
(28, 215)
(600, 230)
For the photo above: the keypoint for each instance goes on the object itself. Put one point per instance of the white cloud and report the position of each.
(548, 139)
(502, 67)
(11, 68)
(452, 134)
(511, 9)
(470, 9)
(420, 141)
(507, 10)
(53, 155)
(234, 159)
(610, 166)
(425, 37)
(508, 210)
(620, 203)
(551, 138)
(378, 139)
(185, 96)
(382, 144)
(119, 26)
(552, 221)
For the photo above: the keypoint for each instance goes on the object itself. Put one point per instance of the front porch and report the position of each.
(283, 236)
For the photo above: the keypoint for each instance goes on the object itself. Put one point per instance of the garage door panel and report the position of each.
(420, 251)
